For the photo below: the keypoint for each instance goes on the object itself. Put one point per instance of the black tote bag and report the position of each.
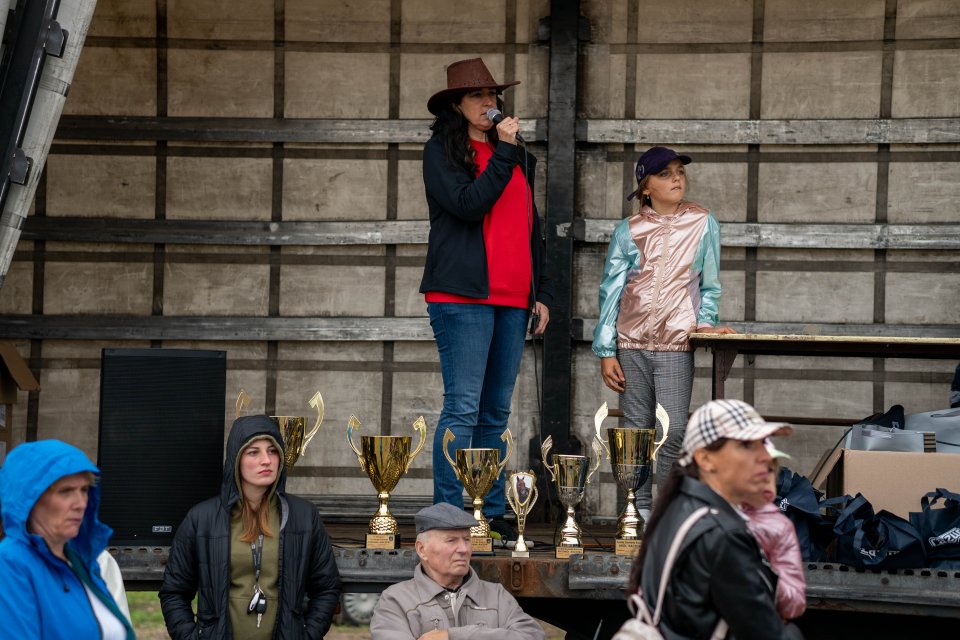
(800, 502)
(879, 540)
(940, 528)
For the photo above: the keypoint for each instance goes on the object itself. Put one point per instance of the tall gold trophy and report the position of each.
(572, 474)
(521, 496)
(633, 453)
(385, 459)
(293, 429)
(477, 470)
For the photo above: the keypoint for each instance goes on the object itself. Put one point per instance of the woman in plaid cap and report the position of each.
(720, 577)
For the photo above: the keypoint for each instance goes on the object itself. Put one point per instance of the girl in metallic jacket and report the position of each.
(660, 283)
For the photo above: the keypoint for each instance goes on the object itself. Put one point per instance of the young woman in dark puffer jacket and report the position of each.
(252, 539)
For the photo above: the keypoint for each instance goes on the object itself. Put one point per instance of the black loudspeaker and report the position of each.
(161, 439)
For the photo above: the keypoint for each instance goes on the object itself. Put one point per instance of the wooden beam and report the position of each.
(226, 232)
(807, 236)
(304, 130)
(382, 131)
(727, 132)
(229, 328)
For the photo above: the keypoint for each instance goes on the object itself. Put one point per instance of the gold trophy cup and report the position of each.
(477, 470)
(572, 474)
(293, 429)
(385, 459)
(633, 453)
(521, 496)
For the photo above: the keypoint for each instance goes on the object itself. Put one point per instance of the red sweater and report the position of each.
(506, 237)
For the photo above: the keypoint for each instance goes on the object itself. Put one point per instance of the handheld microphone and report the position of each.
(496, 117)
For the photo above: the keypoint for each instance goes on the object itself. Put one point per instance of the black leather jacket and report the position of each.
(458, 202)
(199, 560)
(719, 572)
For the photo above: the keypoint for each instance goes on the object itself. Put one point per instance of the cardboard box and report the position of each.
(890, 480)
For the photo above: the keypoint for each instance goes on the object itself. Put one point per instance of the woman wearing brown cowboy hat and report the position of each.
(484, 271)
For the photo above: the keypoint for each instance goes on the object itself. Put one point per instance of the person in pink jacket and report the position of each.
(778, 539)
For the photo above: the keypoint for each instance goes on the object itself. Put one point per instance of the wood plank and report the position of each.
(314, 130)
(733, 234)
(117, 327)
(808, 236)
(228, 328)
(118, 230)
(846, 131)
(304, 130)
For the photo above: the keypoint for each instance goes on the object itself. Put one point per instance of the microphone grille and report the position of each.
(493, 114)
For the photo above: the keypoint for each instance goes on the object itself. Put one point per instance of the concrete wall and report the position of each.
(381, 60)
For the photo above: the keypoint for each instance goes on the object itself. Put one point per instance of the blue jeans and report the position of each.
(480, 349)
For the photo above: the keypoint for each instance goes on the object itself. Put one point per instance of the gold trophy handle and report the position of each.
(448, 437)
(420, 426)
(597, 458)
(664, 419)
(317, 403)
(354, 423)
(243, 401)
(533, 498)
(545, 447)
(598, 419)
(508, 438)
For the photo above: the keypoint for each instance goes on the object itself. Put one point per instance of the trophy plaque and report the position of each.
(572, 474)
(521, 496)
(293, 429)
(477, 470)
(385, 459)
(633, 452)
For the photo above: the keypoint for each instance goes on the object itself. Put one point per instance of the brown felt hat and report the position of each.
(463, 76)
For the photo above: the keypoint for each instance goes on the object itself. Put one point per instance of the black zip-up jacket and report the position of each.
(457, 201)
(200, 559)
(719, 572)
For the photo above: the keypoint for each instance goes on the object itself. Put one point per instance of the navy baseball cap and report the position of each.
(653, 161)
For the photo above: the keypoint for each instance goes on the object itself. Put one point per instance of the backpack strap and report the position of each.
(682, 532)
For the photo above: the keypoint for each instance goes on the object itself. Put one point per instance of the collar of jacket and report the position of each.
(685, 207)
(429, 589)
(700, 491)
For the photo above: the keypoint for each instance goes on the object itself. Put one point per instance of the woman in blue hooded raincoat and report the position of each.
(48, 559)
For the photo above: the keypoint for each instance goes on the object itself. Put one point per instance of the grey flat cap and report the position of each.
(443, 516)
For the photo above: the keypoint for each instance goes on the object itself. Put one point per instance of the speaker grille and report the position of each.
(161, 438)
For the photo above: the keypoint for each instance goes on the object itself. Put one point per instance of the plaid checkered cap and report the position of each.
(731, 419)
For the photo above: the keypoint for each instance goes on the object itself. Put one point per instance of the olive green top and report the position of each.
(242, 575)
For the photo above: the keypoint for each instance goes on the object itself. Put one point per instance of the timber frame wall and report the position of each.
(754, 92)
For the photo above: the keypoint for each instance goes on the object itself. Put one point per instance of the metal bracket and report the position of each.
(32, 34)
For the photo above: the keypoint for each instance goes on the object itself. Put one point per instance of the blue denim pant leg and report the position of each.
(480, 348)
(503, 365)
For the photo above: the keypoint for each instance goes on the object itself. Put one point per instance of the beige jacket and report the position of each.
(480, 610)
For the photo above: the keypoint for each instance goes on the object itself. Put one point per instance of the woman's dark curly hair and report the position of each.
(451, 126)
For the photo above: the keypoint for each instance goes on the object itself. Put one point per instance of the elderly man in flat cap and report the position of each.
(445, 600)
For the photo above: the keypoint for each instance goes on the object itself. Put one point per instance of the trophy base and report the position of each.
(481, 546)
(383, 541)
(520, 554)
(627, 547)
(564, 552)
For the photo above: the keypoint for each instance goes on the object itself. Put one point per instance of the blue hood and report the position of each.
(29, 470)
